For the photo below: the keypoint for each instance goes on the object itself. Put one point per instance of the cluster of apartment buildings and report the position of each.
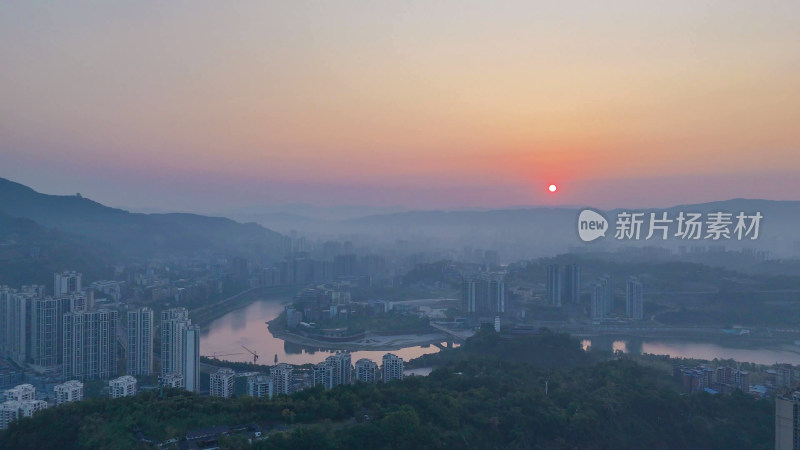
(21, 401)
(302, 268)
(484, 294)
(718, 380)
(65, 336)
(319, 304)
(602, 298)
(280, 380)
(180, 350)
(564, 287)
(336, 370)
(45, 331)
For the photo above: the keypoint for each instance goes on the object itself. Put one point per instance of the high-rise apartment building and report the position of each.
(485, 295)
(15, 315)
(554, 285)
(174, 322)
(343, 369)
(282, 378)
(221, 383)
(469, 296)
(634, 302)
(90, 344)
(191, 358)
(597, 302)
(366, 371)
(607, 283)
(392, 367)
(140, 342)
(572, 283)
(44, 328)
(787, 422)
(323, 375)
(66, 283)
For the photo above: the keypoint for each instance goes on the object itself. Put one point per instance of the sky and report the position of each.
(209, 105)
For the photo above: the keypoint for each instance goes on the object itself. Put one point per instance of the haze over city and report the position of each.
(400, 224)
(208, 106)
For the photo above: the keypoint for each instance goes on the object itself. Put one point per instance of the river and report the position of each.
(246, 327)
(740, 351)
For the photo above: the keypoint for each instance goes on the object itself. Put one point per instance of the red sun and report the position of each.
(552, 188)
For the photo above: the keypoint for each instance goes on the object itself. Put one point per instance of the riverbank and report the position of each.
(203, 316)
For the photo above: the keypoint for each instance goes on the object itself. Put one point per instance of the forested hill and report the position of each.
(134, 234)
(30, 253)
(469, 402)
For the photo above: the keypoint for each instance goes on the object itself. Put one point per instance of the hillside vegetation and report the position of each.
(472, 401)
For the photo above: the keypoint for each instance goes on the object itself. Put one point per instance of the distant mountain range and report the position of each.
(779, 225)
(36, 224)
(129, 235)
(534, 231)
(290, 215)
(774, 210)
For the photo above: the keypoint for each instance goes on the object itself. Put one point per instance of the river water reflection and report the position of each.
(739, 351)
(247, 327)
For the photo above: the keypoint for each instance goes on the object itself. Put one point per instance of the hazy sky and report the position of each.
(207, 105)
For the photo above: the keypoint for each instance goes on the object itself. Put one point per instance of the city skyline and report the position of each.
(399, 224)
(444, 105)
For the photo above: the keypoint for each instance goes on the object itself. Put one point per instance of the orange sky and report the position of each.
(477, 103)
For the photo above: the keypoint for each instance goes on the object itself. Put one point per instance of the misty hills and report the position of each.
(31, 253)
(776, 210)
(524, 233)
(133, 234)
(508, 217)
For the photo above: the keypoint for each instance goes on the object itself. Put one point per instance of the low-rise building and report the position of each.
(9, 412)
(260, 386)
(71, 391)
(171, 380)
(124, 386)
(366, 371)
(20, 393)
(221, 383)
(29, 407)
(14, 409)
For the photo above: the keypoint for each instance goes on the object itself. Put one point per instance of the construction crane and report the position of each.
(255, 355)
(215, 355)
